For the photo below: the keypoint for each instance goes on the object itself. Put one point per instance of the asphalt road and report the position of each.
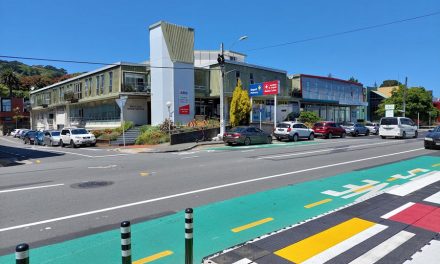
(59, 194)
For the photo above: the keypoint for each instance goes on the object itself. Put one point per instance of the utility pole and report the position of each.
(222, 106)
(404, 96)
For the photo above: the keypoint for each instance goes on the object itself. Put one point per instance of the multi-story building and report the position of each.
(332, 99)
(13, 114)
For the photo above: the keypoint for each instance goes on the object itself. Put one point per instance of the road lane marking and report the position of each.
(435, 198)
(392, 179)
(321, 150)
(413, 186)
(31, 188)
(314, 245)
(397, 210)
(191, 157)
(144, 173)
(436, 165)
(153, 257)
(384, 248)
(103, 167)
(250, 225)
(201, 190)
(317, 203)
(363, 188)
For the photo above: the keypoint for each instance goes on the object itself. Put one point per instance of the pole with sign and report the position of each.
(121, 103)
(266, 88)
(389, 110)
(261, 109)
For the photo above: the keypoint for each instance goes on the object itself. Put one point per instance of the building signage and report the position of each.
(389, 107)
(265, 88)
(183, 102)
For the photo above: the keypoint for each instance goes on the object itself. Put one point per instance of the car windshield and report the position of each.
(237, 129)
(283, 125)
(348, 124)
(388, 121)
(56, 133)
(79, 131)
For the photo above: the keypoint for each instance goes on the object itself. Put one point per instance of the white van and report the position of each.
(398, 127)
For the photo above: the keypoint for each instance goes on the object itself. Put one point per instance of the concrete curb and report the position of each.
(184, 149)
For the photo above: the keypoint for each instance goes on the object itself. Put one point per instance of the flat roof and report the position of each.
(323, 77)
(89, 73)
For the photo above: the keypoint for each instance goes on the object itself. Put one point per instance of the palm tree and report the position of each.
(9, 79)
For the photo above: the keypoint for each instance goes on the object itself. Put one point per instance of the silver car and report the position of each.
(51, 138)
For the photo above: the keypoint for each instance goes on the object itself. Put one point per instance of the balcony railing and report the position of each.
(136, 88)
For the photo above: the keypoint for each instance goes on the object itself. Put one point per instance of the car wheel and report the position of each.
(247, 141)
(93, 144)
(404, 135)
(416, 134)
(229, 144)
(367, 133)
(311, 136)
(427, 147)
(269, 140)
(383, 137)
(295, 138)
(343, 135)
(279, 139)
(356, 133)
(330, 135)
(72, 144)
(61, 143)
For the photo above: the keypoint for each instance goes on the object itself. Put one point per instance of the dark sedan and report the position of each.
(246, 135)
(29, 137)
(432, 139)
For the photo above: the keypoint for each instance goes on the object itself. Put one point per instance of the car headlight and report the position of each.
(429, 139)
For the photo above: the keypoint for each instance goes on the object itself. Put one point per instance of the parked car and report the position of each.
(293, 131)
(76, 137)
(432, 139)
(13, 132)
(328, 129)
(355, 129)
(29, 137)
(246, 135)
(398, 127)
(373, 127)
(39, 138)
(52, 138)
(20, 134)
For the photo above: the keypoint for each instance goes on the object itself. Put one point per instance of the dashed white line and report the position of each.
(31, 188)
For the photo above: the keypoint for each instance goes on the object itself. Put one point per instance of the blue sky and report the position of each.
(110, 31)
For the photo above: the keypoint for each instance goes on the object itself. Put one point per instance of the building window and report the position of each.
(101, 90)
(251, 78)
(86, 88)
(134, 82)
(6, 105)
(97, 85)
(110, 82)
(78, 90)
(90, 87)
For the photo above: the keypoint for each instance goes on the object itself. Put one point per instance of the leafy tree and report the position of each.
(418, 100)
(352, 79)
(17, 115)
(388, 83)
(309, 118)
(9, 79)
(240, 106)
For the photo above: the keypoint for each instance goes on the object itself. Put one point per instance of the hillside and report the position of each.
(31, 70)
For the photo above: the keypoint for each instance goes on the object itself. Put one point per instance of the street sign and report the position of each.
(389, 107)
(121, 101)
(264, 88)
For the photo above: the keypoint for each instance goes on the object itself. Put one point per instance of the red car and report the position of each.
(328, 129)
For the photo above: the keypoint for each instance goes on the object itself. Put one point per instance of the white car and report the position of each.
(293, 131)
(373, 127)
(14, 132)
(75, 137)
(398, 127)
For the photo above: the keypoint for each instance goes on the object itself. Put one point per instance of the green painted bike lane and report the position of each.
(213, 223)
(264, 146)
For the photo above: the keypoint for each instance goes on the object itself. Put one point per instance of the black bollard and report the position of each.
(126, 242)
(189, 236)
(22, 254)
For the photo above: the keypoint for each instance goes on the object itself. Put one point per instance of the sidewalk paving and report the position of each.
(165, 147)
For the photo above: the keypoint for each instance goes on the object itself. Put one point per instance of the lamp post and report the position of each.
(169, 118)
(222, 80)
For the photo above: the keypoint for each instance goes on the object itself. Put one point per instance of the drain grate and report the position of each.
(91, 184)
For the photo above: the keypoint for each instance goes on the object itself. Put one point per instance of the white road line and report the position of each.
(384, 248)
(397, 210)
(428, 254)
(345, 245)
(31, 188)
(249, 150)
(321, 150)
(414, 185)
(201, 190)
(435, 198)
(191, 157)
(103, 167)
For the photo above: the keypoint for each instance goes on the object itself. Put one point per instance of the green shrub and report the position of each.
(152, 135)
(126, 126)
(97, 133)
(309, 118)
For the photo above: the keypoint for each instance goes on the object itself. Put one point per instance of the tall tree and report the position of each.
(417, 100)
(388, 83)
(352, 79)
(240, 106)
(9, 79)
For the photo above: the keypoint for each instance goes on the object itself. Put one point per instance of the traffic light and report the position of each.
(221, 59)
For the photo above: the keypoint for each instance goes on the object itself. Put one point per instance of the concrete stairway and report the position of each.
(130, 137)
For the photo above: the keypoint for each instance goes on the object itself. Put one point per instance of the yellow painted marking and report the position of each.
(415, 171)
(363, 188)
(253, 224)
(436, 165)
(320, 242)
(317, 203)
(392, 179)
(144, 173)
(37, 161)
(153, 257)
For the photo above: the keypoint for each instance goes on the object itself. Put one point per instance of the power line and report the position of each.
(345, 32)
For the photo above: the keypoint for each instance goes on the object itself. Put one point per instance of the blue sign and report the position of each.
(256, 89)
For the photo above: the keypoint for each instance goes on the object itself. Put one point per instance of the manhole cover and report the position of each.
(91, 184)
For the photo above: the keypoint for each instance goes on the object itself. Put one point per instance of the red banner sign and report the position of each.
(271, 87)
(184, 110)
